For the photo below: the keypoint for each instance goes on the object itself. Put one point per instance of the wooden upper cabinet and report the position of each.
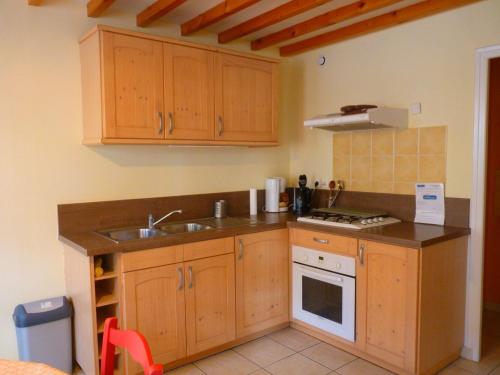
(210, 306)
(142, 89)
(388, 280)
(133, 87)
(261, 281)
(245, 99)
(154, 305)
(189, 92)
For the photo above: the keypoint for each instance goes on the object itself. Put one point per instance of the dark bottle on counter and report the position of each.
(302, 197)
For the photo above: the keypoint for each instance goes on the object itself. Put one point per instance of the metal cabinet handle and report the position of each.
(162, 125)
(190, 273)
(319, 240)
(240, 256)
(361, 254)
(181, 279)
(170, 122)
(221, 125)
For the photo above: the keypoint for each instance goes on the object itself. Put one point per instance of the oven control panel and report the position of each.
(324, 260)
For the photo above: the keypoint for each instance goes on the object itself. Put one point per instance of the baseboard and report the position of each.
(467, 353)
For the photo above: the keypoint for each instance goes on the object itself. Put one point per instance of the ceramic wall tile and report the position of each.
(390, 161)
(361, 168)
(432, 140)
(342, 168)
(406, 168)
(432, 168)
(361, 143)
(406, 142)
(342, 144)
(382, 142)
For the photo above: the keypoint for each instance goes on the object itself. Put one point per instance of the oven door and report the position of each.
(325, 300)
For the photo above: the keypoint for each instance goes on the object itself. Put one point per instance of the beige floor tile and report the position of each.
(362, 367)
(485, 366)
(328, 356)
(264, 351)
(297, 364)
(454, 370)
(496, 371)
(186, 370)
(294, 339)
(260, 372)
(226, 363)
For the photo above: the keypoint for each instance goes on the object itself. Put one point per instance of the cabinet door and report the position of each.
(154, 305)
(210, 316)
(246, 94)
(387, 280)
(189, 93)
(261, 281)
(133, 87)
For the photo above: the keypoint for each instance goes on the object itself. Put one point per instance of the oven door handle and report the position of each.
(323, 274)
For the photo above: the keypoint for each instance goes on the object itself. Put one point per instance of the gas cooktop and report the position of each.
(348, 218)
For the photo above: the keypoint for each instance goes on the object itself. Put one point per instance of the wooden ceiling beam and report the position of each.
(96, 7)
(333, 17)
(215, 14)
(384, 21)
(275, 15)
(156, 10)
(34, 2)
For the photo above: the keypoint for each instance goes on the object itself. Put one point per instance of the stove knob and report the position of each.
(381, 219)
(337, 266)
(369, 221)
(364, 222)
(305, 258)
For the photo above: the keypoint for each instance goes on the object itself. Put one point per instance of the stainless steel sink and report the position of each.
(120, 235)
(130, 234)
(176, 228)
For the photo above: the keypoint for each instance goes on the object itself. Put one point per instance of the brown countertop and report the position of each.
(403, 234)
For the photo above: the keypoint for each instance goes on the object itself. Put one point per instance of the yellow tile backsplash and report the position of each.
(383, 142)
(390, 161)
(361, 143)
(406, 142)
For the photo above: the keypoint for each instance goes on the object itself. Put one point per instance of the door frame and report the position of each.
(474, 305)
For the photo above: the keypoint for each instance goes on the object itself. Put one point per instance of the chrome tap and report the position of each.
(152, 222)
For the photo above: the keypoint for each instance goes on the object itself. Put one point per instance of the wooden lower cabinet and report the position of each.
(387, 278)
(261, 281)
(154, 304)
(210, 306)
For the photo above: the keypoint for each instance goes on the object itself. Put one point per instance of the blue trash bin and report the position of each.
(43, 330)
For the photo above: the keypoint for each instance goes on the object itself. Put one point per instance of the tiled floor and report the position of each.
(290, 352)
(286, 352)
(490, 361)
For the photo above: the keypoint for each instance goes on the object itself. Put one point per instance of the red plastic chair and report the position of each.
(133, 341)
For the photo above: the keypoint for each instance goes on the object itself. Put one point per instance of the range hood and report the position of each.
(374, 118)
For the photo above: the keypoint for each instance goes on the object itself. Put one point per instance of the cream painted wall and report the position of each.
(42, 162)
(429, 61)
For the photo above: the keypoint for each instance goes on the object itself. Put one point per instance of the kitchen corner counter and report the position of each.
(402, 234)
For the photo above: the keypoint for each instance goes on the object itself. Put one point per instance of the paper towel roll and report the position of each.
(253, 201)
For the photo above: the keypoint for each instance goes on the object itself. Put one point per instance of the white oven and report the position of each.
(324, 291)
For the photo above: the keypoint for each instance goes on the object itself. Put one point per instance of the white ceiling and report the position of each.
(192, 8)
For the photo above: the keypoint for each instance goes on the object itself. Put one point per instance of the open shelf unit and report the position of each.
(107, 300)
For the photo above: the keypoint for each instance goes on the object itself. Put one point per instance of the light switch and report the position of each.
(416, 108)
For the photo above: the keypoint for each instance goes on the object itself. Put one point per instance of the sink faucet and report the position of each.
(152, 222)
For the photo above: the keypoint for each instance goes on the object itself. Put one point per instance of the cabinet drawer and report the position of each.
(161, 256)
(210, 248)
(324, 241)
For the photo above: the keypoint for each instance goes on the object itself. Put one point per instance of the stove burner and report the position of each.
(348, 218)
